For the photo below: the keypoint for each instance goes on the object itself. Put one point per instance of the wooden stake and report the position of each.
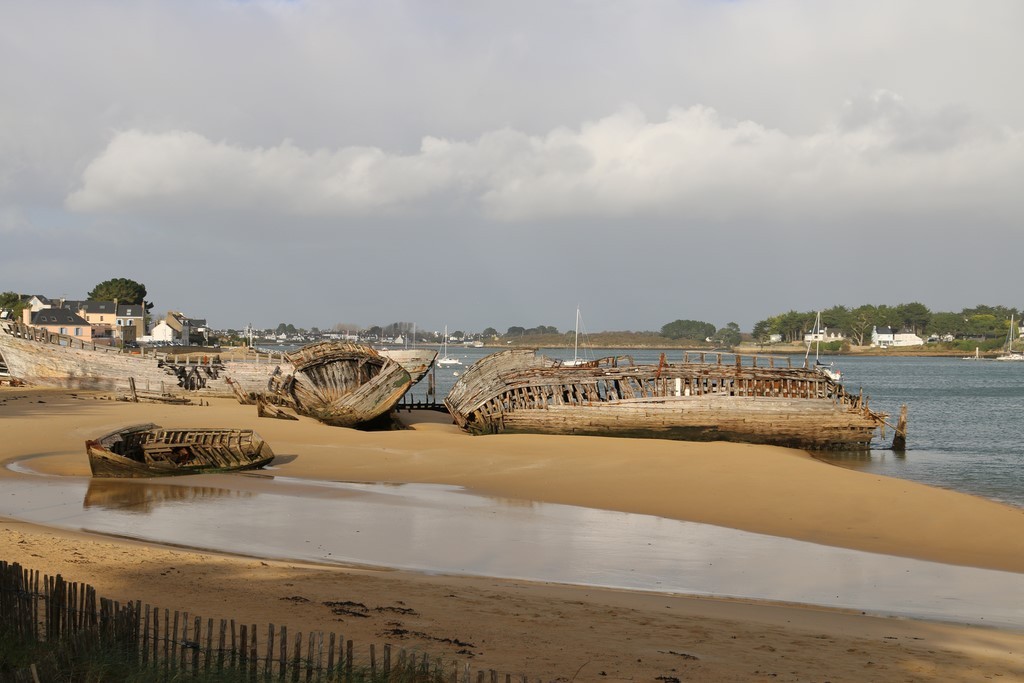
(899, 439)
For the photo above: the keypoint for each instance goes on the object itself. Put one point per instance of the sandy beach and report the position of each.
(548, 631)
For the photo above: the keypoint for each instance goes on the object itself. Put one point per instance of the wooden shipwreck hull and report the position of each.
(151, 451)
(707, 397)
(417, 362)
(343, 384)
(40, 357)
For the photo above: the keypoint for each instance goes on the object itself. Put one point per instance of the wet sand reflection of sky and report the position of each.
(447, 530)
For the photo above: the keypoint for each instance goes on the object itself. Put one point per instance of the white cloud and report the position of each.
(693, 163)
(311, 136)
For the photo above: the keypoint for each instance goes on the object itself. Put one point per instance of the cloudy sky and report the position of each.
(485, 164)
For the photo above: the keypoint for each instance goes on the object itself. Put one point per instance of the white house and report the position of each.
(885, 337)
(824, 335)
(162, 332)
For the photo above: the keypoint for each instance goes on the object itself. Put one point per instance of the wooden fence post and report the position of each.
(73, 616)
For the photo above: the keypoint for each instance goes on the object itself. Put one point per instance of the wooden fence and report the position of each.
(37, 609)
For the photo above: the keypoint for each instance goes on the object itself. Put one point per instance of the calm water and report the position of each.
(965, 418)
(445, 529)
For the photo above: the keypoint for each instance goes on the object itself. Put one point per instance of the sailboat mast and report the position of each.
(576, 342)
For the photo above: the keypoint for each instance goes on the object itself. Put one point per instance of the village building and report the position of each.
(177, 328)
(884, 337)
(37, 302)
(100, 314)
(130, 322)
(59, 321)
(824, 335)
(109, 322)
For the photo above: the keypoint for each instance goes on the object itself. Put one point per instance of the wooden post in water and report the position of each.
(899, 439)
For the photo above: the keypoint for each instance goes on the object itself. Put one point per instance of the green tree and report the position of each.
(793, 325)
(763, 331)
(688, 329)
(12, 301)
(986, 325)
(914, 316)
(121, 289)
(490, 332)
(728, 335)
(862, 320)
(948, 323)
(836, 318)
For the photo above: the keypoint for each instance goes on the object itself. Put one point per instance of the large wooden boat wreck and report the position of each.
(706, 397)
(37, 356)
(148, 450)
(342, 384)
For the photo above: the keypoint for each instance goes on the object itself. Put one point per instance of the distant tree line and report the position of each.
(857, 323)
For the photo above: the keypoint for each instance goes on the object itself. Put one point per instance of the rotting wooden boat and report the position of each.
(342, 384)
(417, 362)
(148, 450)
(36, 356)
(706, 397)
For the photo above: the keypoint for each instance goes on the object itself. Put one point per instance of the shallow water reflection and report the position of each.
(445, 529)
(142, 497)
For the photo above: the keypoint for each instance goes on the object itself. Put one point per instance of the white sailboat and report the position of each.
(576, 360)
(827, 370)
(445, 360)
(1010, 354)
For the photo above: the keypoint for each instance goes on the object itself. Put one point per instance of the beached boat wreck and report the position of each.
(706, 397)
(342, 384)
(417, 362)
(36, 356)
(148, 450)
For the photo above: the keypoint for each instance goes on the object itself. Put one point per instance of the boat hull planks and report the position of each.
(343, 385)
(151, 451)
(751, 399)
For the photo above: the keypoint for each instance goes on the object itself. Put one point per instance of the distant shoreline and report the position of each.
(775, 350)
(768, 350)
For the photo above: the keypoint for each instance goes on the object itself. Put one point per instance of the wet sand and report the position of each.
(548, 630)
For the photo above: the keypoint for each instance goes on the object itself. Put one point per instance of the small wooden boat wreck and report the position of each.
(342, 384)
(707, 397)
(149, 450)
